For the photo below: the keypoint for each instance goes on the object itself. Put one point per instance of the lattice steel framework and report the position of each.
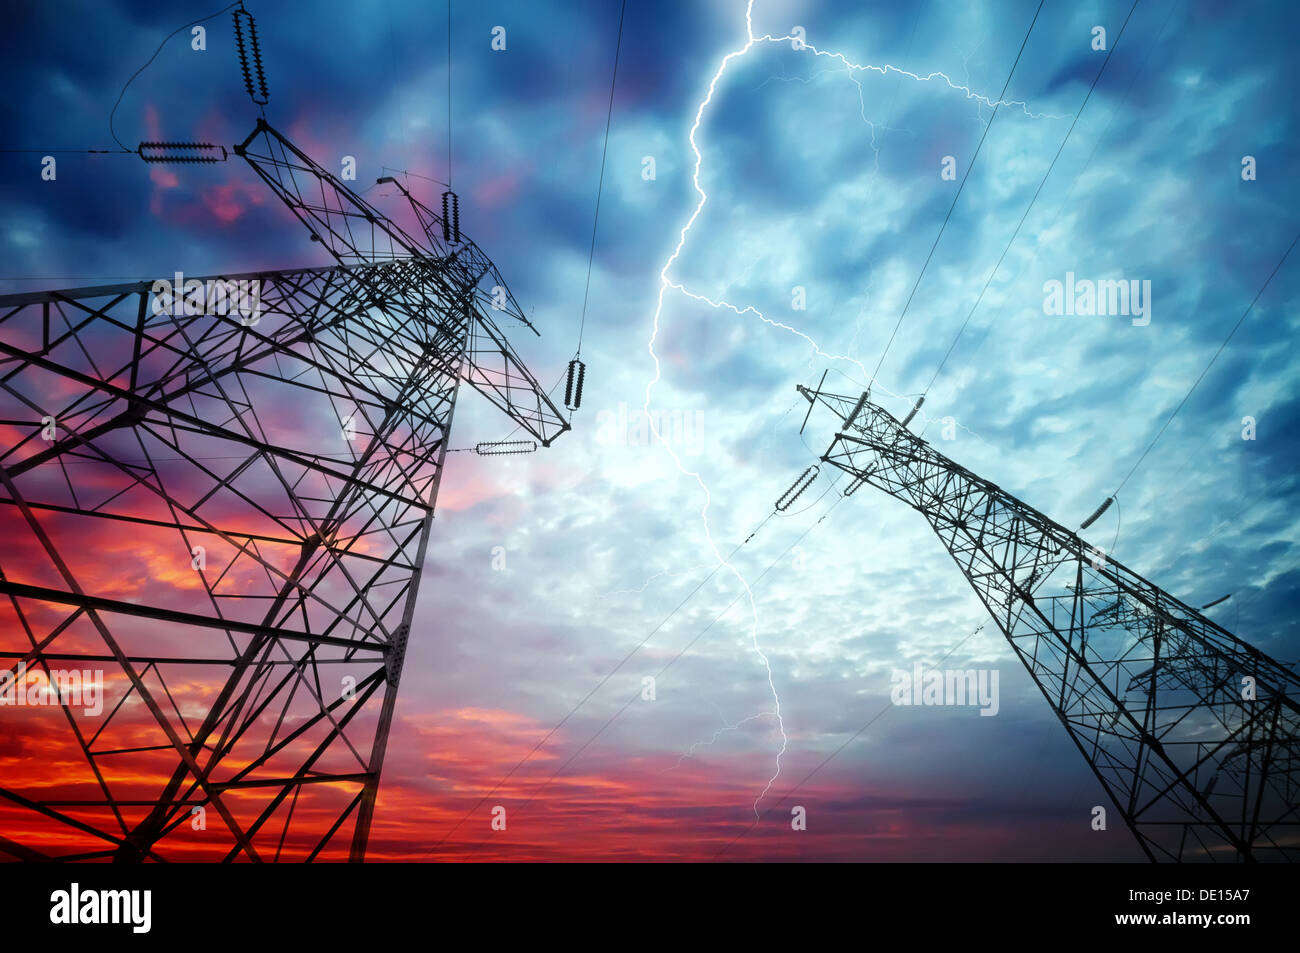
(1155, 696)
(227, 515)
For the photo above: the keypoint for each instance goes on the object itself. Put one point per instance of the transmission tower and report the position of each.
(1191, 732)
(271, 480)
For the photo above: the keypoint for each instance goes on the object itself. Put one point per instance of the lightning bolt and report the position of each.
(716, 735)
(666, 283)
(816, 349)
(646, 584)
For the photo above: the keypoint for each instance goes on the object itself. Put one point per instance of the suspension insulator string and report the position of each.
(256, 47)
(908, 419)
(499, 448)
(796, 490)
(573, 384)
(857, 408)
(451, 217)
(181, 152)
(1096, 514)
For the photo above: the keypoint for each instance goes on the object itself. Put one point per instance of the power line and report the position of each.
(81, 152)
(591, 256)
(112, 131)
(628, 704)
(1100, 139)
(392, 72)
(449, 94)
(560, 724)
(827, 760)
(1037, 192)
(416, 175)
(960, 187)
(629, 655)
(1206, 370)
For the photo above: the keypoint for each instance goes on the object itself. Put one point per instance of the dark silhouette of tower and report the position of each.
(1191, 732)
(220, 495)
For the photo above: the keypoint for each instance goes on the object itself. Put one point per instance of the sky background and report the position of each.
(819, 174)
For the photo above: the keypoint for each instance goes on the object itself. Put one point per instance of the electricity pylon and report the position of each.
(227, 513)
(1191, 732)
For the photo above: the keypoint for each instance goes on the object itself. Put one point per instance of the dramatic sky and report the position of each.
(822, 173)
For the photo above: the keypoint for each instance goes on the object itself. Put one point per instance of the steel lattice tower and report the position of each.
(277, 476)
(1153, 694)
